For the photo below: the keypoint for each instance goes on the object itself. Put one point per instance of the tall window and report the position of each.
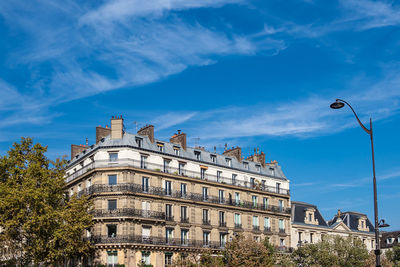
(168, 258)
(183, 190)
(246, 165)
(265, 202)
(255, 222)
(254, 199)
(139, 141)
(213, 158)
(112, 230)
(278, 188)
(197, 154)
(112, 179)
(184, 217)
(205, 193)
(252, 182)
(228, 162)
(311, 238)
(181, 168)
(222, 218)
(146, 257)
(310, 217)
(145, 209)
(184, 237)
(143, 162)
(221, 197)
(166, 166)
(272, 171)
(168, 189)
(113, 156)
(237, 198)
(258, 168)
(160, 147)
(267, 224)
(112, 204)
(112, 258)
(203, 173)
(281, 207)
(281, 225)
(145, 184)
(219, 176)
(206, 239)
(205, 217)
(168, 212)
(88, 183)
(176, 151)
(237, 220)
(234, 178)
(222, 239)
(169, 234)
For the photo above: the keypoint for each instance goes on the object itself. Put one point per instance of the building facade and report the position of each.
(308, 226)
(155, 200)
(390, 239)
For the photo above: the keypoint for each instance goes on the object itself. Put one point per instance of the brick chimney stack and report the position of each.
(76, 149)
(179, 138)
(234, 152)
(102, 132)
(117, 127)
(148, 131)
(258, 157)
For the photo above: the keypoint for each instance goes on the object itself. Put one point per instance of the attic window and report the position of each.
(272, 171)
(213, 158)
(160, 147)
(258, 168)
(228, 162)
(390, 240)
(197, 154)
(176, 150)
(246, 165)
(139, 141)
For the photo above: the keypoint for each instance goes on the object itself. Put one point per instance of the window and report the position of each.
(281, 206)
(252, 182)
(282, 242)
(222, 218)
(139, 141)
(311, 238)
(222, 239)
(71, 191)
(237, 221)
(278, 188)
(184, 217)
(246, 165)
(176, 151)
(281, 225)
(267, 224)
(143, 162)
(310, 217)
(146, 234)
(183, 190)
(237, 198)
(234, 178)
(228, 162)
(112, 258)
(362, 222)
(265, 202)
(113, 156)
(206, 239)
(254, 200)
(112, 179)
(79, 187)
(300, 237)
(169, 234)
(184, 237)
(181, 168)
(255, 222)
(168, 189)
(160, 147)
(203, 173)
(213, 158)
(145, 209)
(146, 257)
(168, 212)
(112, 204)
(205, 217)
(372, 244)
(197, 154)
(88, 183)
(145, 184)
(219, 176)
(258, 168)
(166, 166)
(205, 193)
(263, 184)
(168, 258)
(112, 230)
(221, 196)
(272, 171)
(390, 240)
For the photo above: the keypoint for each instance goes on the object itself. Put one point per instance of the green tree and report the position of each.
(40, 223)
(393, 255)
(333, 251)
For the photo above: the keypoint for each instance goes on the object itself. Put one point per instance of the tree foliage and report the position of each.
(40, 224)
(393, 255)
(333, 251)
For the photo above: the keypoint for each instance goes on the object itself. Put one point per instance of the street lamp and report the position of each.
(339, 103)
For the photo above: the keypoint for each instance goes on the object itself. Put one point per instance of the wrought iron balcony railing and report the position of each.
(206, 222)
(129, 212)
(222, 224)
(176, 171)
(184, 220)
(238, 226)
(267, 230)
(256, 228)
(282, 231)
(159, 191)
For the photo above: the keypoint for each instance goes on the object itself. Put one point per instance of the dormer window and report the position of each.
(160, 147)
(390, 240)
(272, 171)
(139, 141)
(258, 168)
(228, 162)
(246, 165)
(197, 154)
(176, 151)
(213, 158)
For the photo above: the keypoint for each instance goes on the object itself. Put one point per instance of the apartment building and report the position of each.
(309, 226)
(155, 200)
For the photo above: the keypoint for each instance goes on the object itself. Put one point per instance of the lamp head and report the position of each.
(337, 105)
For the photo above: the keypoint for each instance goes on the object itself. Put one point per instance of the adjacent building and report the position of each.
(308, 225)
(155, 200)
(390, 239)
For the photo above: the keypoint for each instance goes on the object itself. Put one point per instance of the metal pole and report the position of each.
(377, 245)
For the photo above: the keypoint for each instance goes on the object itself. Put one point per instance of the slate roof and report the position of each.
(129, 140)
(350, 219)
(299, 213)
(386, 235)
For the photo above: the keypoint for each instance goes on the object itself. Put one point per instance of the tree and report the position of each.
(385, 261)
(393, 255)
(333, 251)
(39, 222)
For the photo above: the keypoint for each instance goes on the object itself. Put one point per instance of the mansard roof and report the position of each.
(299, 213)
(129, 140)
(350, 219)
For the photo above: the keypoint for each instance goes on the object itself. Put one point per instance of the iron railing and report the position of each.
(129, 212)
(159, 191)
(176, 171)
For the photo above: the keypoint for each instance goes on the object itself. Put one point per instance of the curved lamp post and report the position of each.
(339, 103)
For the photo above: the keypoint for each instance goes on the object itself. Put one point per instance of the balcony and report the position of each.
(129, 212)
(184, 220)
(169, 218)
(282, 231)
(175, 171)
(238, 226)
(206, 222)
(267, 230)
(256, 228)
(159, 191)
(222, 224)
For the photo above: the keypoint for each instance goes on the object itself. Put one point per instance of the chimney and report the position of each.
(148, 131)
(117, 127)
(257, 157)
(179, 138)
(76, 149)
(234, 152)
(102, 132)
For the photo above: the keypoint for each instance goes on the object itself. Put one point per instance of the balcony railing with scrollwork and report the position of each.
(238, 226)
(129, 212)
(159, 191)
(176, 171)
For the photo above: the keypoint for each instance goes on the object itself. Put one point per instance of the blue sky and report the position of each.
(247, 73)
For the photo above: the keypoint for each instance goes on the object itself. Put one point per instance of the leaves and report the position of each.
(39, 223)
